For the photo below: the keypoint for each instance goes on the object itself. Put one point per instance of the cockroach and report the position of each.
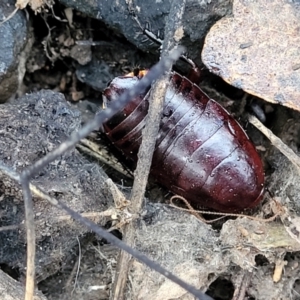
(201, 152)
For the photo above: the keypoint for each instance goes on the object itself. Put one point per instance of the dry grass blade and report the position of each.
(277, 142)
(101, 154)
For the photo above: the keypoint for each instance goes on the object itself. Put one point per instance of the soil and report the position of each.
(55, 63)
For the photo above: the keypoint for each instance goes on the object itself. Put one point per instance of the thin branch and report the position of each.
(135, 253)
(147, 148)
(26, 186)
(108, 236)
(30, 233)
(78, 267)
(154, 73)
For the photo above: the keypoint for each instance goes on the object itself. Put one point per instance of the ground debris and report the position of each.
(29, 130)
(10, 289)
(181, 243)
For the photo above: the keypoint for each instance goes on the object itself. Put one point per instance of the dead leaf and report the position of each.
(21, 4)
(36, 5)
(270, 239)
(279, 265)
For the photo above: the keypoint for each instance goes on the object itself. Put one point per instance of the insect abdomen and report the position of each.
(201, 153)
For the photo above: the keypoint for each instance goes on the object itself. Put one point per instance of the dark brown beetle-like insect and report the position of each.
(201, 152)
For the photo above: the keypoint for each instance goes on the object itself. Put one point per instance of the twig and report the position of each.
(26, 175)
(147, 147)
(146, 150)
(115, 106)
(240, 291)
(79, 262)
(26, 186)
(102, 155)
(30, 233)
(109, 237)
(135, 253)
(10, 227)
(9, 16)
(90, 215)
(276, 141)
(120, 200)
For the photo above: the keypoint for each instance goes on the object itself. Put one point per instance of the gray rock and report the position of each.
(96, 74)
(184, 245)
(119, 15)
(29, 131)
(13, 37)
(111, 60)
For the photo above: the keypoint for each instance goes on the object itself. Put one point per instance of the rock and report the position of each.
(14, 38)
(30, 130)
(183, 245)
(111, 60)
(257, 50)
(10, 289)
(119, 15)
(82, 54)
(96, 74)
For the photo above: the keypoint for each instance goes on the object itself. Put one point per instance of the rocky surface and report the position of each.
(30, 130)
(256, 49)
(199, 16)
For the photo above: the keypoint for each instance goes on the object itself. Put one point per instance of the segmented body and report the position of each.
(201, 152)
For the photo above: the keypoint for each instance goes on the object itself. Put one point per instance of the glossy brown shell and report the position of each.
(201, 152)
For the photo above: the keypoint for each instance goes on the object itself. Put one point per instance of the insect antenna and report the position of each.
(148, 33)
(156, 39)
